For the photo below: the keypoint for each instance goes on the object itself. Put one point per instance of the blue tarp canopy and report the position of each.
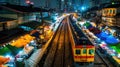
(102, 35)
(109, 39)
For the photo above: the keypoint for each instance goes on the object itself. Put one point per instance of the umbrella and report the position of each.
(4, 60)
(111, 40)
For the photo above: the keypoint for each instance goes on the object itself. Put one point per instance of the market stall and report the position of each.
(3, 60)
(22, 41)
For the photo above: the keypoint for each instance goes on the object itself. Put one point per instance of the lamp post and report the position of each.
(82, 9)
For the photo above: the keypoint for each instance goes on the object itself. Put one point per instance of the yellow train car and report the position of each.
(83, 53)
(83, 50)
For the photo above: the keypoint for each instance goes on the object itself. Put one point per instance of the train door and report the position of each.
(90, 54)
(87, 55)
(84, 55)
(77, 54)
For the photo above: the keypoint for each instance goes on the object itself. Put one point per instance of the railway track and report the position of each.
(99, 62)
(59, 53)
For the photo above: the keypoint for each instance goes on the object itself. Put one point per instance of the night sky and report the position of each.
(52, 3)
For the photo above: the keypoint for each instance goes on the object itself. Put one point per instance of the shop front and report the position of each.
(109, 21)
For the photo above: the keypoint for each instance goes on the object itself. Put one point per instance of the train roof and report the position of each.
(80, 38)
(84, 42)
(83, 39)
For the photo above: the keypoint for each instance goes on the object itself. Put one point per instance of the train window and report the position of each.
(77, 51)
(91, 51)
(84, 51)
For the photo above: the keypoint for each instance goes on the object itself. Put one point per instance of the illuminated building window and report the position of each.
(113, 11)
(77, 51)
(110, 11)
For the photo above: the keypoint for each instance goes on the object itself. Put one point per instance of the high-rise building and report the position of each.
(15, 2)
(94, 3)
(115, 0)
(47, 3)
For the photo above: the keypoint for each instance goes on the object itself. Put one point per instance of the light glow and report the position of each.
(83, 8)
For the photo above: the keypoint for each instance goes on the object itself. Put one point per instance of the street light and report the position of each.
(113, 3)
(83, 8)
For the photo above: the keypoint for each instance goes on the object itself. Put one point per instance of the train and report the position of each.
(83, 50)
